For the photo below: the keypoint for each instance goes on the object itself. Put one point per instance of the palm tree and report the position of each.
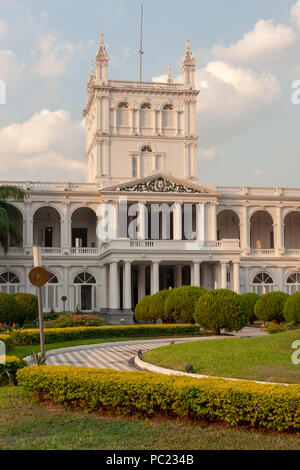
(9, 215)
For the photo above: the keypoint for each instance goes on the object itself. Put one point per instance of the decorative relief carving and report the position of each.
(159, 185)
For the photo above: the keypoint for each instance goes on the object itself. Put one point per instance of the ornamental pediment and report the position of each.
(160, 184)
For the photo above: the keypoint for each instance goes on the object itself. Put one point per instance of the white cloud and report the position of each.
(264, 87)
(264, 42)
(47, 145)
(3, 29)
(10, 66)
(295, 14)
(53, 57)
(207, 154)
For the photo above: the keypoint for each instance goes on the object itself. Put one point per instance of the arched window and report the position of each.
(123, 115)
(168, 116)
(263, 283)
(293, 283)
(146, 106)
(146, 148)
(9, 283)
(145, 118)
(85, 292)
(50, 297)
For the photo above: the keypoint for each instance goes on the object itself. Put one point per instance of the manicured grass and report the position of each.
(43, 427)
(266, 358)
(23, 351)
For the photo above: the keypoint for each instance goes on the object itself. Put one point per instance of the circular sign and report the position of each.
(38, 277)
(64, 298)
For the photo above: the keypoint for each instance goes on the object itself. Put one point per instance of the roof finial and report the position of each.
(92, 68)
(170, 79)
(187, 47)
(102, 40)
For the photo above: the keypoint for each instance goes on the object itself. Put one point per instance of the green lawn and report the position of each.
(45, 427)
(23, 351)
(266, 358)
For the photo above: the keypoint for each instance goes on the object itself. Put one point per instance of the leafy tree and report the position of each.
(270, 306)
(9, 215)
(181, 302)
(221, 309)
(251, 298)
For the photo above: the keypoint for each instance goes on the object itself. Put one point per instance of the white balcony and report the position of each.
(171, 245)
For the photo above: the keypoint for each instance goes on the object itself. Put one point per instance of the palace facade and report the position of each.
(141, 153)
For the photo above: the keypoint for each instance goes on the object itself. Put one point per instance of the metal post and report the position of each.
(41, 322)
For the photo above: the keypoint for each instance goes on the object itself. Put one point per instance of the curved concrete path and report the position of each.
(120, 355)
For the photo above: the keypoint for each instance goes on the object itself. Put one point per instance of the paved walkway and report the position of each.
(119, 356)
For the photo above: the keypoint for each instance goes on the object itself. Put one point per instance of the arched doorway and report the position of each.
(46, 228)
(85, 292)
(261, 231)
(50, 294)
(84, 226)
(292, 230)
(293, 283)
(228, 225)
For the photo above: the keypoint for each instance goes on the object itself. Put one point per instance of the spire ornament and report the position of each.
(101, 53)
(170, 79)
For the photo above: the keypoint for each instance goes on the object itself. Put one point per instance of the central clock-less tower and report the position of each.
(135, 129)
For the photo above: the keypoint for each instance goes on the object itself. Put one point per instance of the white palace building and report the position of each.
(141, 151)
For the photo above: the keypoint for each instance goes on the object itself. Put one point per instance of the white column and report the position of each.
(213, 222)
(115, 120)
(138, 121)
(177, 221)
(178, 275)
(28, 235)
(127, 286)
(279, 232)
(160, 124)
(236, 277)
(141, 282)
(177, 114)
(142, 221)
(103, 298)
(245, 231)
(197, 280)
(200, 221)
(154, 121)
(131, 119)
(114, 291)
(223, 275)
(154, 277)
(247, 287)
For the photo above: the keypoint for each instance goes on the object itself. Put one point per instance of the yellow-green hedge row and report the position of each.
(54, 335)
(274, 407)
(12, 365)
(8, 341)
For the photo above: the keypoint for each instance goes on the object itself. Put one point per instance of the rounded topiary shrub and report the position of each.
(27, 308)
(291, 311)
(141, 311)
(157, 306)
(8, 309)
(251, 298)
(181, 302)
(270, 306)
(221, 309)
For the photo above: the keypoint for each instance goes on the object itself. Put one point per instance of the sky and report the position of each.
(247, 54)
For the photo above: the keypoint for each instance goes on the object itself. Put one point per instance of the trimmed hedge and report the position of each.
(8, 309)
(141, 311)
(221, 309)
(8, 341)
(291, 311)
(55, 335)
(27, 308)
(71, 320)
(273, 407)
(181, 302)
(13, 364)
(251, 299)
(270, 306)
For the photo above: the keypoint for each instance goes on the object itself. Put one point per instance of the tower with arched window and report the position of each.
(122, 117)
